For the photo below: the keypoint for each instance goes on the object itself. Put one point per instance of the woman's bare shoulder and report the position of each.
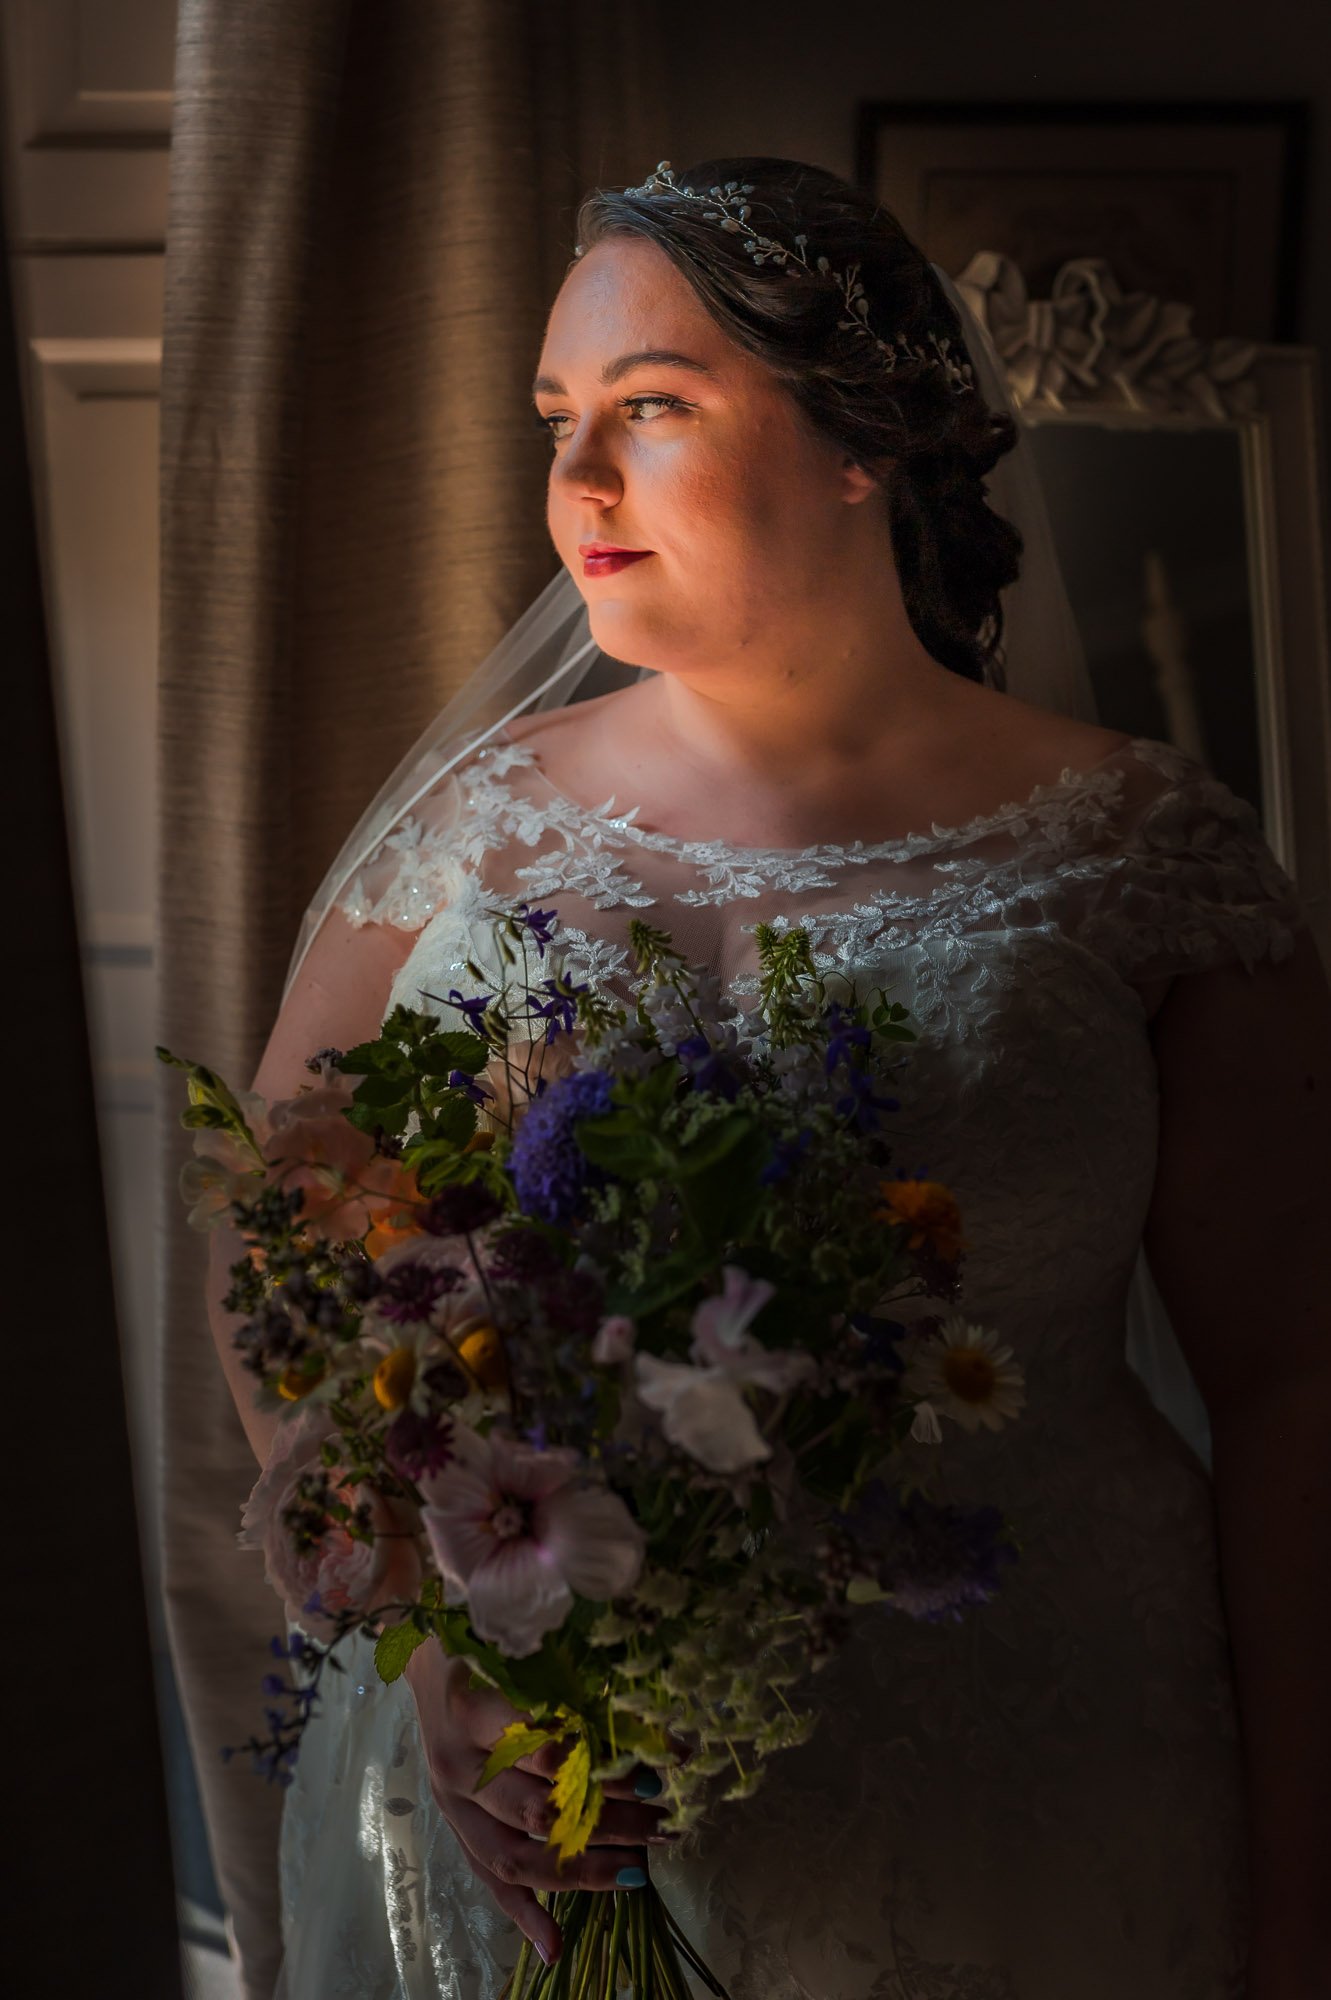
(1006, 730)
(571, 721)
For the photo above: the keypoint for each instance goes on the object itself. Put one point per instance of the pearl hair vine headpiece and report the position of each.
(728, 207)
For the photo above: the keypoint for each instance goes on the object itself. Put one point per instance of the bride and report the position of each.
(767, 492)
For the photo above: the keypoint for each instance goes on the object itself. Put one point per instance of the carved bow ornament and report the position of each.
(1089, 341)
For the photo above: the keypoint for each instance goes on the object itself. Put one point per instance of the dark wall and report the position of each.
(787, 77)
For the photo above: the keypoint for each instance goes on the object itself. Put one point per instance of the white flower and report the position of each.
(702, 1408)
(926, 1428)
(966, 1375)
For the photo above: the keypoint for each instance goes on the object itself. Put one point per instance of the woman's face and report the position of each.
(712, 467)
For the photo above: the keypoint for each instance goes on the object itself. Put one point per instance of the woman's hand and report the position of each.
(502, 1828)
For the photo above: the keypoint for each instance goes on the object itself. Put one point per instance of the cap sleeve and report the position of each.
(1191, 882)
(413, 871)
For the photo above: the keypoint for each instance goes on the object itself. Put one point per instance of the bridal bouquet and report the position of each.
(583, 1343)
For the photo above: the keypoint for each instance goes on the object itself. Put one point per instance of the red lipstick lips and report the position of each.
(603, 558)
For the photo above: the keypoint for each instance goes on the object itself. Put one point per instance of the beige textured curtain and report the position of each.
(371, 206)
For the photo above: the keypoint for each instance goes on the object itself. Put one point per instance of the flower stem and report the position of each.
(617, 1943)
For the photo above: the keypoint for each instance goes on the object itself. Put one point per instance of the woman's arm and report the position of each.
(339, 999)
(1239, 1245)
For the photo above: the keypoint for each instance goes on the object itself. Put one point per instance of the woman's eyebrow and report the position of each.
(650, 357)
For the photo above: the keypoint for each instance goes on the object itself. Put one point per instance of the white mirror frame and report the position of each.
(1088, 354)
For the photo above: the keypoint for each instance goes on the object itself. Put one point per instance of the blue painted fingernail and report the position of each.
(631, 1878)
(648, 1784)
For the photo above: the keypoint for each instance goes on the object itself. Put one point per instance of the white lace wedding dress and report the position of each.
(1045, 1801)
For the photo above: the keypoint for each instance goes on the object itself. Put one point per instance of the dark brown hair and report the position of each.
(931, 445)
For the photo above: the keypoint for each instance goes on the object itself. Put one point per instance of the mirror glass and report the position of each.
(1151, 531)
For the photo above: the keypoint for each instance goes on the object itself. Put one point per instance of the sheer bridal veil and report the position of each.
(548, 655)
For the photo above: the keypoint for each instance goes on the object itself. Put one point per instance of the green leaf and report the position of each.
(656, 1091)
(213, 1105)
(672, 1276)
(724, 1199)
(863, 1590)
(569, 1794)
(203, 1117)
(370, 1059)
(454, 1049)
(713, 1144)
(455, 1635)
(520, 1739)
(632, 1156)
(453, 1120)
(381, 1090)
(368, 1117)
(394, 1647)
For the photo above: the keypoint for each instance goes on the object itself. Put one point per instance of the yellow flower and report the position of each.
(295, 1383)
(929, 1210)
(482, 1352)
(966, 1375)
(393, 1378)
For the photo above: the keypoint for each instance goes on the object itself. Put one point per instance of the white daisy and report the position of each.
(965, 1374)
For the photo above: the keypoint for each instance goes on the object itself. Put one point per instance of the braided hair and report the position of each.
(931, 445)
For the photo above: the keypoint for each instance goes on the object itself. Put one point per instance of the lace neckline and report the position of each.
(1092, 777)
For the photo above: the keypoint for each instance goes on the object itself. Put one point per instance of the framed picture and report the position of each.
(1198, 202)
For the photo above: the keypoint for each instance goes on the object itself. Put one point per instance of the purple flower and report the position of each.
(858, 1103)
(571, 1300)
(417, 1445)
(522, 1253)
(550, 1171)
(462, 1079)
(880, 1339)
(707, 1068)
(561, 1010)
(413, 1288)
(471, 1010)
(846, 1034)
(934, 1559)
(538, 922)
(461, 1209)
(786, 1154)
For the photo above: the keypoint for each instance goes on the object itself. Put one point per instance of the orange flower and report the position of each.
(311, 1146)
(929, 1210)
(396, 1225)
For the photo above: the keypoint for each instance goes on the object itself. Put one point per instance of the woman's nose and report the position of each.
(587, 467)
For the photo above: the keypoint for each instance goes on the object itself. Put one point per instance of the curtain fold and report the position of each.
(370, 210)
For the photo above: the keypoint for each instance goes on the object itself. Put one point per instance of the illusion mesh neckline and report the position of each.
(1067, 783)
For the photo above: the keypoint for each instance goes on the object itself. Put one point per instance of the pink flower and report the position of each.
(517, 1537)
(347, 1574)
(322, 1153)
(614, 1340)
(703, 1409)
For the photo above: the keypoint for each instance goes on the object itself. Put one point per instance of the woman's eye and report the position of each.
(547, 424)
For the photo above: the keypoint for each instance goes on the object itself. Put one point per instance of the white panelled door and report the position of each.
(87, 129)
